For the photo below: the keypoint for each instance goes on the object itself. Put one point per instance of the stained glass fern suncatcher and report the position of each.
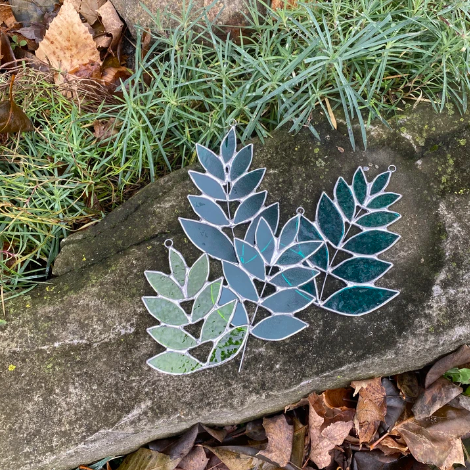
(281, 270)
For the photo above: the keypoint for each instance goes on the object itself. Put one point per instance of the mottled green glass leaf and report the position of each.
(164, 285)
(360, 186)
(228, 346)
(165, 311)
(249, 207)
(176, 363)
(178, 266)
(330, 220)
(240, 282)
(380, 183)
(173, 338)
(287, 301)
(208, 210)
(307, 231)
(298, 252)
(241, 162)
(378, 219)
(198, 275)
(294, 277)
(229, 145)
(278, 327)
(361, 270)
(217, 321)
(371, 242)
(358, 300)
(211, 162)
(250, 258)
(345, 199)
(383, 200)
(206, 300)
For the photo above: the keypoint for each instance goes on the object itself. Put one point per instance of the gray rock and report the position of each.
(74, 385)
(31, 11)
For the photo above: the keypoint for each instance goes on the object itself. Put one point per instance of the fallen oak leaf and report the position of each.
(280, 435)
(455, 359)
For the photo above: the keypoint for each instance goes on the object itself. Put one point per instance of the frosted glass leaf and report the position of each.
(287, 301)
(250, 258)
(178, 266)
(208, 185)
(229, 145)
(174, 363)
(278, 327)
(380, 183)
(378, 219)
(321, 258)
(271, 215)
(298, 252)
(241, 162)
(198, 275)
(289, 232)
(208, 210)
(360, 186)
(293, 277)
(361, 270)
(345, 199)
(330, 220)
(209, 239)
(206, 300)
(383, 200)
(164, 285)
(246, 184)
(217, 321)
(228, 346)
(165, 311)
(173, 338)
(357, 300)
(210, 162)
(265, 241)
(307, 231)
(240, 282)
(371, 242)
(249, 207)
(240, 316)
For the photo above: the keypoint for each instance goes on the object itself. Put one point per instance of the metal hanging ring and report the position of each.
(300, 210)
(233, 123)
(392, 168)
(168, 243)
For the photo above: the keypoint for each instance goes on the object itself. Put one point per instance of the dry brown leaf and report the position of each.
(88, 9)
(91, 70)
(34, 32)
(112, 25)
(455, 456)
(298, 443)
(146, 459)
(280, 435)
(338, 398)
(408, 384)
(390, 446)
(195, 460)
(233, 460)
(218, 434)
(371, 407)
(455, 359)
(331, 114)
(283, 4)
(6, 16)
(302, 402)
(7, 58)
(67, 43)
(12, 117)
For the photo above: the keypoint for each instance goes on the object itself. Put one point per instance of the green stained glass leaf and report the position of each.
(216, 323)
(265, 241)
(164, 285)
(240, 282)
(208, 185)
(176, 363)
(307, 231)
(294, 277)
(173, 338)
(345, 199)
(361, 270)
(241, 162)
(360, 185)
(289, 232)
(371, 242)
(246, 184)
(330, 220)
(321, 258)
(358, 300)
(208, 210)
(249, 207)
(250, 258)
(297, 253)
(287, 301)
(229, 145)
(178, 266)
(380, 183)
(278, 327)
(383, 200)
(198, 275)
(211, 162)
(378, 219)
(228, 346)
(165, 311)
(271, 215)
(206, 300)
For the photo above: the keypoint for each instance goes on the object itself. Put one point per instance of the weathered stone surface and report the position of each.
(74, 386)
(228, 13)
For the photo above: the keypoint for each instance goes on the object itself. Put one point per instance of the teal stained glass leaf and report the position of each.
(321, 258)
(206, 300)
(360, 185)
(371, 242)
(198, 276)
(358, 300)
(178, 266)
(378, 219)
(294, 277)
(216, 323)
(172, 337)
(208, 210)
(278, 327)
(310, 288)
(289, 232)
(265, 241)
(165, 311)
(246, 184)
(307, 231)
(241, 162)
(164, 285)
(240, 282)
(208, 185)
(330, 220)
(287, 301)
(271, 215)
(345, 199)
(249, 207)
(361, 270)
(229, 145)
(175, 363)
(297, 253)
(380, 183)
(383, 200)
(209, 239)
(250, 258)
(228, 346)
(210, 161)
(240, 316)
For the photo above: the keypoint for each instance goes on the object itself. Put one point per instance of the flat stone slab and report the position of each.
(74, 383)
